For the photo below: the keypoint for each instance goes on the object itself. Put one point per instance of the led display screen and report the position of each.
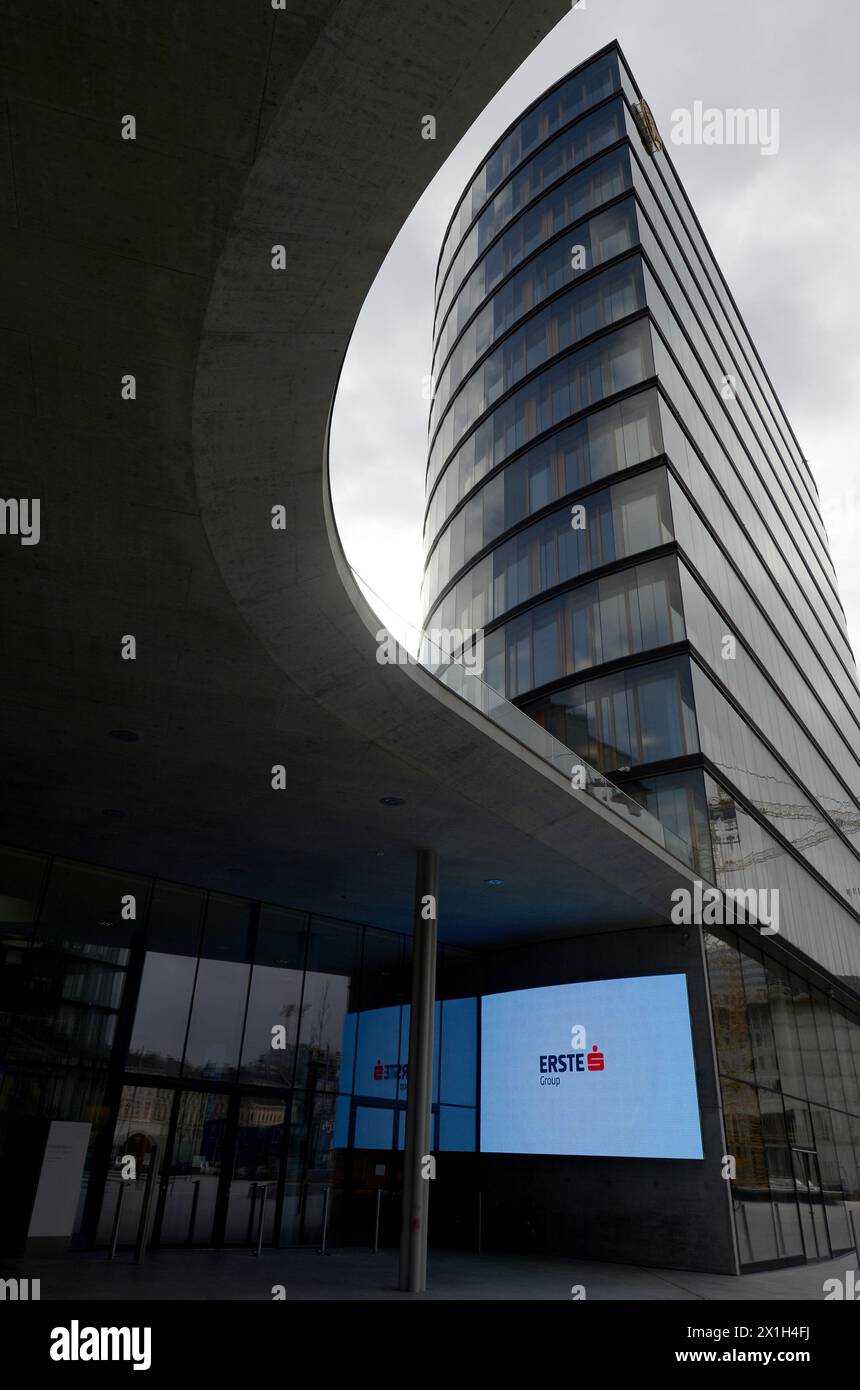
(603, 1067)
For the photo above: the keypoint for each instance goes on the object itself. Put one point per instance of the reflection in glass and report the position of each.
(334, 961)
(257, 1165)
(271, 1026)
(82, 910)
(639, 715)
(729, 1007)
(140, 1131)
(215, 1031)
(188, 1203)
(161, 1018)
(755, 1223)
(175, 919)
(780, 1172)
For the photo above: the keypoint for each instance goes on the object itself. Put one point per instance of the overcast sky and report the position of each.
(785, 229)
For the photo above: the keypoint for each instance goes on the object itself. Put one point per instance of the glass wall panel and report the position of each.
(459, 1054)
(227, 932)
(842, 1026)
(742, 584)
(457, 1128)
(188, 1201)
(220, 990)
(554, 110)
(798, 1123)
(613, 295)
(640, 715)
(175, 919)
(677, 800)
(587, 307)
(557, 159)
(612, 524)
(161, 1017)
(605, 442)
(66, 1006)
(784, 709)
(217, 1015)
(746, 856)
(845, 1172)
(385, 971)
(810, 1052)
(833, 1180)
(330, 992)
(83, 910)
(758, 1013)
(271, 1027)
(783, 1195)
(615, 363)
(782, 1014)
(22, 878)
(780, 797)
(853, 1204)
(608, 234)
(270, 1039)
(741, 416)
(729, 1007)
(765, 530)
(754, 1218)
(827, 1051)
(256, 1169)
(618, 615)
(140, 1132)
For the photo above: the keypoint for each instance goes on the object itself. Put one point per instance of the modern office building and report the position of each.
(208, 885)
(616, 499)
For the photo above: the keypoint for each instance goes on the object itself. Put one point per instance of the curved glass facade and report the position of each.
(616, 498)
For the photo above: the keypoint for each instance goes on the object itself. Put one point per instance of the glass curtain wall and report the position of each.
(206, 1035)
(789, 1061)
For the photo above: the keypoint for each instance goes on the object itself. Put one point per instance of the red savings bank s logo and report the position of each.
(552, 1064)
(390, 1071)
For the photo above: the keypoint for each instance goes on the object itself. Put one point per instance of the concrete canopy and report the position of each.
(254, 128)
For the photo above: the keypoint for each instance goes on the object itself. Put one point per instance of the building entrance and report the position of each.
(219, 1160)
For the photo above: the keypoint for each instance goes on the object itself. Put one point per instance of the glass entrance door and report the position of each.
(142, 1126)
(810, 1199)
(188, 1200)
(257, 1161)
(219, 1160)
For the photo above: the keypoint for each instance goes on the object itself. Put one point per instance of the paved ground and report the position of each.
(357, 1274)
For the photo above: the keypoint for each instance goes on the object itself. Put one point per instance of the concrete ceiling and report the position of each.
(254, 648)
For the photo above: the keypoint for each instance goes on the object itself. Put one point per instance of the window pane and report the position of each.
(330, 991)
(175, 919)
(728, 1005)
(217, 1013)
(754, 1220)
(271, 1026)
(161, 1017)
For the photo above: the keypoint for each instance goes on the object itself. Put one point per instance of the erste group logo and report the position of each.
(391, 1071)
(555, 1064)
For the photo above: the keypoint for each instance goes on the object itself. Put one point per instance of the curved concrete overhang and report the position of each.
(255, 647)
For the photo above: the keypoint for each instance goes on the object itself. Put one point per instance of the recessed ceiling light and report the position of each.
(391, 800)
(494, 882)
(124, 735)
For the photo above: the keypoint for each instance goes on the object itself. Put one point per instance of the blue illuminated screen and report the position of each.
(603, 1067)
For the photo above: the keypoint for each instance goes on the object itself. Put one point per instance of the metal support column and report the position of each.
(416, 1189)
